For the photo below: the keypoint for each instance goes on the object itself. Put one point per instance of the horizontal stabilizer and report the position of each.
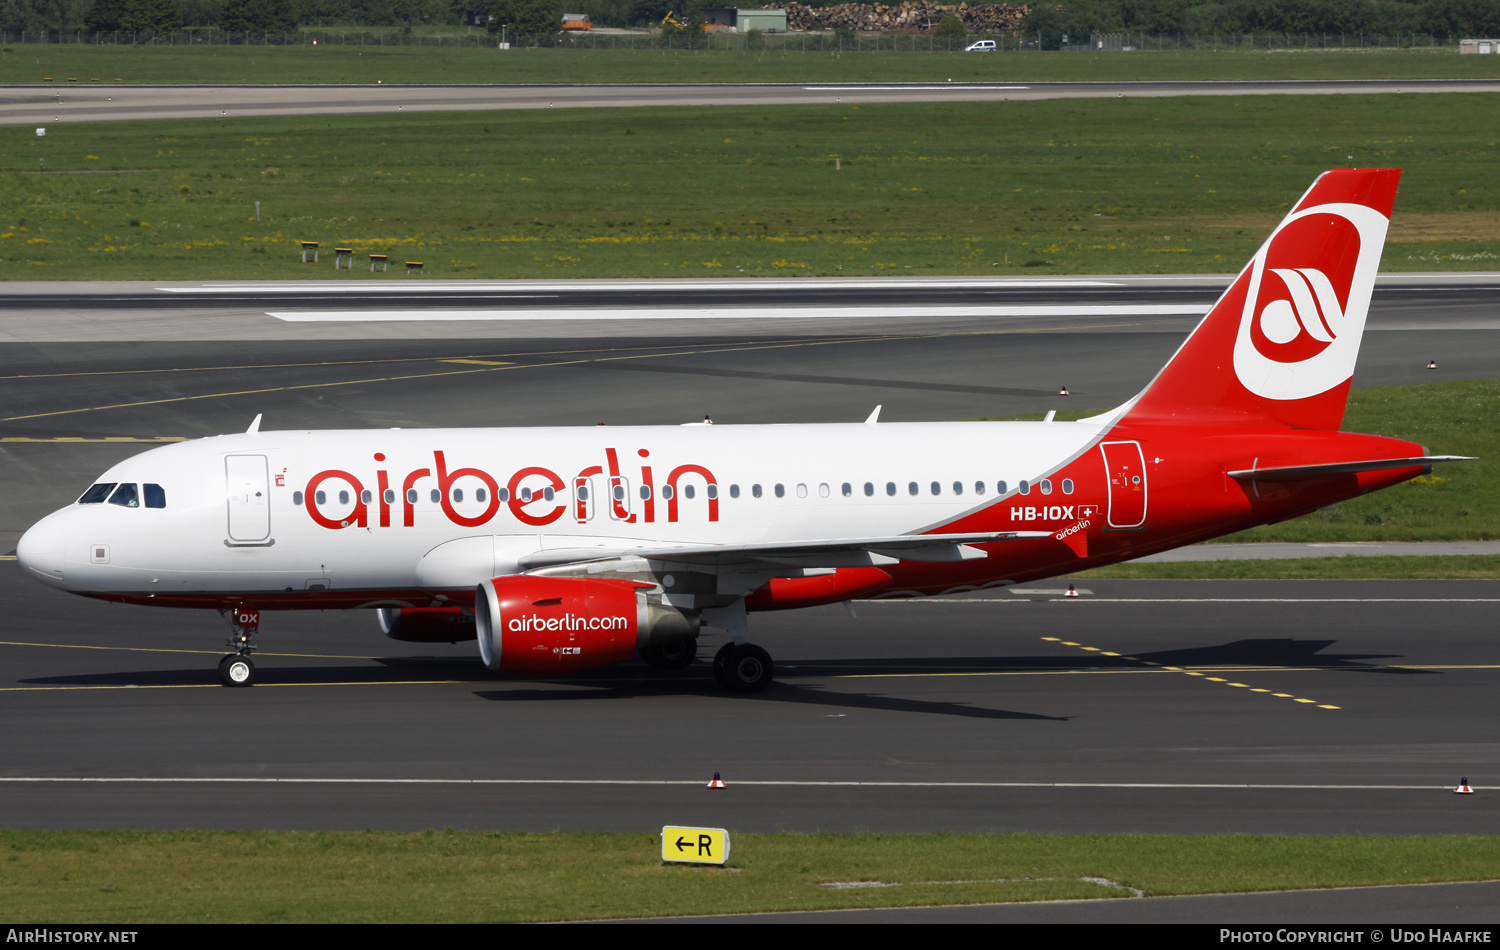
(1293, 473)
(832, 552)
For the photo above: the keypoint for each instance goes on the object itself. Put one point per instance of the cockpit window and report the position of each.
(155, 496)
(126, 496)
(97, 494)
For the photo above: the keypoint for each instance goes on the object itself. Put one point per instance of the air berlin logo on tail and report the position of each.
(1305, 307)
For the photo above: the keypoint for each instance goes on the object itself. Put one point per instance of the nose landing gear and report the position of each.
(237, 669)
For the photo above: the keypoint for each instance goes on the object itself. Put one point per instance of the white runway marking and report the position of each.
(955, 87)
(759, 283)
(772, 783)
(735, 313)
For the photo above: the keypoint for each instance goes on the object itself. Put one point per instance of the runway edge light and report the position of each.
(716, 782)
(1463, 787)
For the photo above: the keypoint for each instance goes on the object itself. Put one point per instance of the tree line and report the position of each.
(1452, 18)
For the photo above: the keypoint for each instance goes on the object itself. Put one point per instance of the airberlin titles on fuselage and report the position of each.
(530, 494)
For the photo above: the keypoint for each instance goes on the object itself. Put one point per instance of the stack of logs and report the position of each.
(905, 17)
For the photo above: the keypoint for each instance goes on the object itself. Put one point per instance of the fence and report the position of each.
(839, 41)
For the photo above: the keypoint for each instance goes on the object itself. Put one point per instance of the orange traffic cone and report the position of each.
(1071, 592)
(717, 782)
(1463, 787)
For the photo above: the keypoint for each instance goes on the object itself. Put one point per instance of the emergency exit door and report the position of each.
(1126, 468)
(248, 490)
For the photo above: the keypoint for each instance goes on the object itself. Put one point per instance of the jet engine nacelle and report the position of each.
(426, 624)
(565, 624)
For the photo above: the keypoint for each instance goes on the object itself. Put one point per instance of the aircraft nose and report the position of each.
(40, 551)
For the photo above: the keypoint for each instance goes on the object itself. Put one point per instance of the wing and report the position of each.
(833, 552)
(1293, 473)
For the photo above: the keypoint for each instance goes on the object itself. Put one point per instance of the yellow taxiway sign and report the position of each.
(695, 845)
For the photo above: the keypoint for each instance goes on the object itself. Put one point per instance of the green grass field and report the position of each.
(27, 64)
(1081, 186)
(122, 877)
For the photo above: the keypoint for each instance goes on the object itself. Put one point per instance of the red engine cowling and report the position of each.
(427, 624)
(566, 624)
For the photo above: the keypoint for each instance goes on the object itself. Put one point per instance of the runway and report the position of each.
(1291, 707)
(399, 309)
(106, 102)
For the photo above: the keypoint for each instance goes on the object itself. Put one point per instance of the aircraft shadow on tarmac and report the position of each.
(635, 680)
(1277, 652)
(777, 692)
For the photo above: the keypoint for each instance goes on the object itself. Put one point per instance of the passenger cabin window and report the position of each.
(979, 488)
(390, 496)
(734, 491)
(958, 488)
(126, 496)
(458, 495)
(911, 488)
(320, 497)
(780, 490)
(155, 496)
(755, 490)
(847, 489)
(666, 492)
(436, 496)
(937, 488)
(97, 493)
(411, 496)
(869, 489)
(1024, 488)
(801, 490)
(343, 498)
(480, 495)
(687, 491)
(713, 492)
(366, 497)
(1067, 486)
(890, 488)
(297, 498)
(1046, 486)
(1000, 487)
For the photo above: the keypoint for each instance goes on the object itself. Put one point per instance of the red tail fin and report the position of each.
(1283, 339)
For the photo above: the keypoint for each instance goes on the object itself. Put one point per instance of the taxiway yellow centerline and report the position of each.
(1211, 679)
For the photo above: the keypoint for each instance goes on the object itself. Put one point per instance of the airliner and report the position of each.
(568, 549)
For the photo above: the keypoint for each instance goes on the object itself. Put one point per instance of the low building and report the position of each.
(744, 20)
(1479, 46)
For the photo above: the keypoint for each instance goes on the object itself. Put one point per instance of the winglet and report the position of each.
(254, 426)
(874, 417)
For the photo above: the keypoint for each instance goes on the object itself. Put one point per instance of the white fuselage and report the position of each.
(378, 510)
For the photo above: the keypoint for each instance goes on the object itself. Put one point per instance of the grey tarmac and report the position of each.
(38, 105)
(1142, 706)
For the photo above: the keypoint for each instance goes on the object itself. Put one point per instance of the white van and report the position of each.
(982, 46)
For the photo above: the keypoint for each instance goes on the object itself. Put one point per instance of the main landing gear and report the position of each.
(237, 669)
(743, 668)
